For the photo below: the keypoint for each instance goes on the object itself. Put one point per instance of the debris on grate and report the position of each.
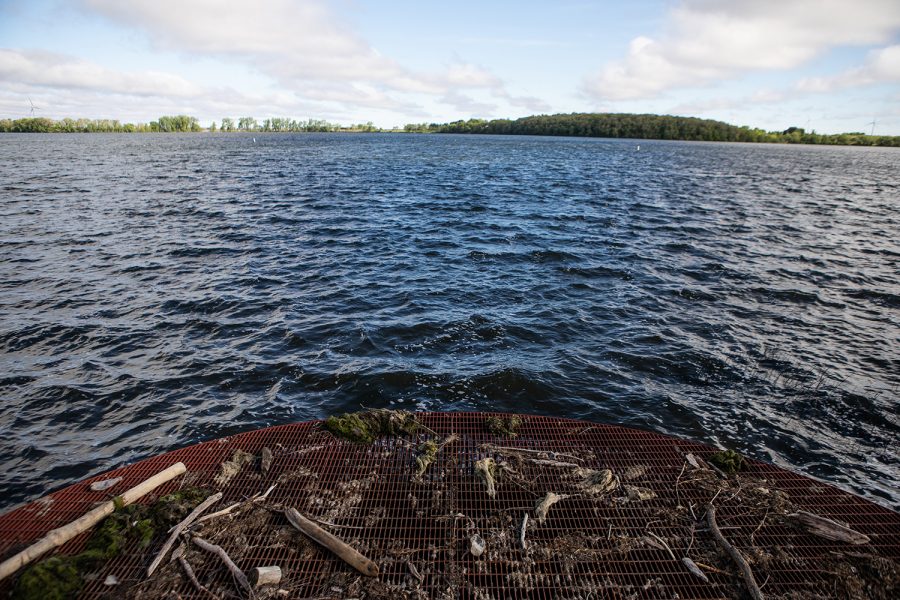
(448, 505)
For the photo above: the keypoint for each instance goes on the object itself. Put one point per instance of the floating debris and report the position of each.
(100, 486)
(265, 459)
(634, 493)
(508, 426)
(366, 427)
(488, 471)
(230, 468)
(543, 506)
(476, 545)
(729, 461)
(596, 483)
(828, 529)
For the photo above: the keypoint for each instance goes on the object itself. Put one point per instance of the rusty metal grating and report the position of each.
(418, 531)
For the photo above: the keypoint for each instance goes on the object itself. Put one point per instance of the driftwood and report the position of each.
(176, 531)
(752, 587)
(217, 550)
(829, 529)
(261, 576)
(228, 509)
(543, 507)
(348, 554)
(63, 534)
(265, 461)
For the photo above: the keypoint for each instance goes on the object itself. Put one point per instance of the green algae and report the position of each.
(59, 577)
(728, 461)
(366, 427)
(508, 427)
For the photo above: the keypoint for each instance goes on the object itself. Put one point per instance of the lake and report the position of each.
(159, 290)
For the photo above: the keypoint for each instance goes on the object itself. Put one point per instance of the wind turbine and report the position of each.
(33, 107)
(873, 126)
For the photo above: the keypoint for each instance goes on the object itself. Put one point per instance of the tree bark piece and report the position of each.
(332, 542)
(261, 576)
(176, 531)
(63, 534)
(829, 529)
(220, 552)
(752, 587)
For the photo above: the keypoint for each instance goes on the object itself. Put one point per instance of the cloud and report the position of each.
(301, 45)
(51, 70)
(881, 66)
(707, 41)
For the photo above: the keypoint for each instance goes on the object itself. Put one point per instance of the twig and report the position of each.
(713, 569)
(677, 481)
(63, 534)
(176, 531)
(663, 542)
(550, 453)
(190, 573)
(758, 527)
(238, 574)
(522, 532)
(415, 572)
(752, 587)
(347, 553)
(230, 508)
(336, 526)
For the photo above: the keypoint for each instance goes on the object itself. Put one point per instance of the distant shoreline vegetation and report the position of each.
(602, 125)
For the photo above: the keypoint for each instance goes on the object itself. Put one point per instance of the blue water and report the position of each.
(158, 290)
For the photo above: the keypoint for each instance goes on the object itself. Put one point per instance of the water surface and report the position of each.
(159, 290)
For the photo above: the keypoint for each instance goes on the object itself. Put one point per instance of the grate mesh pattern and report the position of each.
(590, 546)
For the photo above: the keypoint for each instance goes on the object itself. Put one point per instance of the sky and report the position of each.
(825, 65)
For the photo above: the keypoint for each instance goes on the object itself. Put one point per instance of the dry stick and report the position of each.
(176, 531)
(238, 574)
(522, 532)
(230, 508)
(735, 555)
(663, 542)
(63, 534)
(551, 453)
(190, 573)
(694, 569)
(332, 542)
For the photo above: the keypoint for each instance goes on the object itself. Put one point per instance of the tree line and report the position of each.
(605, 125)
(659, 127)
(176, 123)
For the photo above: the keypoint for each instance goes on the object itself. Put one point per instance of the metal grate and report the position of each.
(418, 531)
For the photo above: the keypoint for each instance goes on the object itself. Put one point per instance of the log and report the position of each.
(261, 576)
(752, 587)
(348, 554)
(828, 529)
(176, 531)
(61, 535)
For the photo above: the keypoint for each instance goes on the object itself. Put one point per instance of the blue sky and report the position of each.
(827, 65)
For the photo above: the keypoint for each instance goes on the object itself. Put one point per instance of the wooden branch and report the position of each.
(63, 534)
(193, 577)
(829, 529)
(754, 590)
(261, 576)
(332, 542)
(217, 550)
(176, 531)
(663, 542)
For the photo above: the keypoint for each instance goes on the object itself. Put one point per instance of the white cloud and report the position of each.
(881, 66)
(301, 45)
(51, 70)
(707, 41)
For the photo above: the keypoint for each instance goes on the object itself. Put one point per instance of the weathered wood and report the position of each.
(61, 535)
(261, 576)
(343, 550)
(829, 529)
(693, 568)
(746, 571)
(220, 552)
(176, 531)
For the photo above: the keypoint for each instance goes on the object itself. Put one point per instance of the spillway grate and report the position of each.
(593, 543)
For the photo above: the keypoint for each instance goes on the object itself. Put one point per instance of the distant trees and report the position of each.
(212, 127)
(227, 124)
(662, 127)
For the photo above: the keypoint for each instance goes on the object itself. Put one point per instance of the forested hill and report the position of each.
(661, 127)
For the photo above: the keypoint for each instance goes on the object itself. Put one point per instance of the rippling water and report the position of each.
(160, 290)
